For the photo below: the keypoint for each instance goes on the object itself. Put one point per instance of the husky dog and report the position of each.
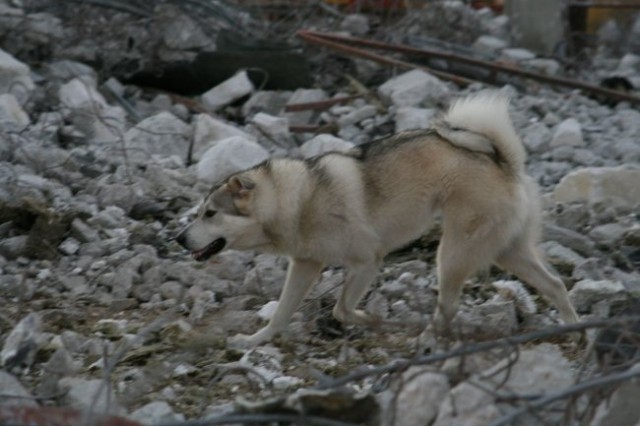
(351, 209)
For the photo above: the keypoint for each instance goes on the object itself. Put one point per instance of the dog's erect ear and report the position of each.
(240, 186)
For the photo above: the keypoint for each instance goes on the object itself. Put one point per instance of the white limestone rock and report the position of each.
(275, 128)
(613, 186)
(12, 117)
(229, 156)
(208, 130)
(15, 77)
(228, 91)
(568, 133)
(409, 118)
(161, 136)
(586, 293)
(420, 396)
(414, 88)
(324, 143)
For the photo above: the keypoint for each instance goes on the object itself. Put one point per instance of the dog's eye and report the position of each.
(210, 213)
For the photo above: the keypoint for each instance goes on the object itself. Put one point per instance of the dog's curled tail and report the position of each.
(481, 123)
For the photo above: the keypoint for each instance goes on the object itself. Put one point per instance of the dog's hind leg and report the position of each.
(468, 244)
(523, 261)
(455, 265)
(301, 275)
(359, 278)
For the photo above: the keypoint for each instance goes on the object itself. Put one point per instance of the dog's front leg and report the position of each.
(301, 275)
(359, 278)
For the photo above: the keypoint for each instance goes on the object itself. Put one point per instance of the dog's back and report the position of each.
(469, 166)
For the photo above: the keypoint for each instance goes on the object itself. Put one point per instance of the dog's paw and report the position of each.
(439, 324)
(365, 318)
(357, 317)
(243, 341)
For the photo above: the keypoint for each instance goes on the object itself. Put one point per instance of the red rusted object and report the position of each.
(345, 44)
(605, 5)
(355, 5)
(339, 44)
(495, 5)
(58, 416)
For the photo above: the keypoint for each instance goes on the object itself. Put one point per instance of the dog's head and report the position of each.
(226, 219)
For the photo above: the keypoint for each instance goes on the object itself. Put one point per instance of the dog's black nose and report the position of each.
(181, 239)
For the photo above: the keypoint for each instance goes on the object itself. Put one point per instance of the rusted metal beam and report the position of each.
(342, 47)
(600, 5)
(507, 69)
(57, 416)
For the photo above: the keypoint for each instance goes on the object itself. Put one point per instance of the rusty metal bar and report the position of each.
(339, 46)
(558, 81)
(320, 105)
(612, 5)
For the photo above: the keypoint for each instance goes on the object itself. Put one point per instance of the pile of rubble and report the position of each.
(102, 311)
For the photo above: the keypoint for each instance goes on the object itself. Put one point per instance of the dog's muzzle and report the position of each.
(209, 250)
(204, 253)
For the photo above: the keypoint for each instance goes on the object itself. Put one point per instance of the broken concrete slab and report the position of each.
(225, 93)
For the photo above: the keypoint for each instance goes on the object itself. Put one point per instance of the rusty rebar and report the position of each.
(331, 40)
(320, 39)
(609, 5)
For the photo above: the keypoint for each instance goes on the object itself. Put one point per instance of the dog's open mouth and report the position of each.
(215, 247)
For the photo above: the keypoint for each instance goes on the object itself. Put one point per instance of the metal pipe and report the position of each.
(612, 5)
(318, 38)
(558, 81)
